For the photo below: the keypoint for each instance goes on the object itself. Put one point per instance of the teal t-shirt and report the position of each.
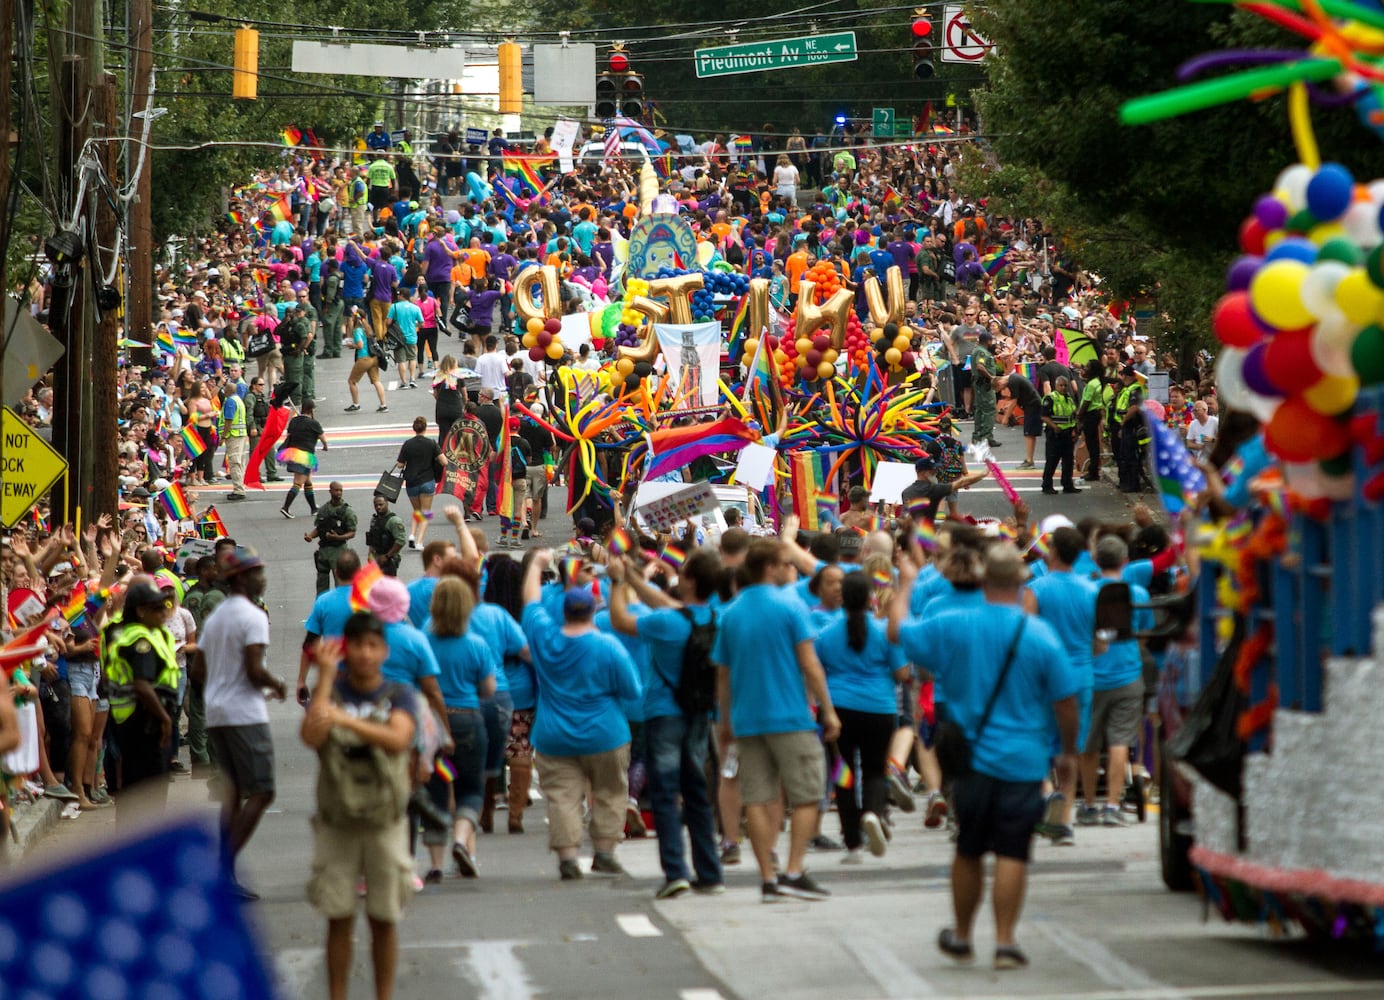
(665, 632)
(861, 680)
(465, 662)
(757, 642)
(409, 317)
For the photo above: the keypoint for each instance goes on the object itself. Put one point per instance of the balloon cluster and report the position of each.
(1303, 317)
(626, 336)
(703, 304)
(542, 340)
(814, 357)
(857, 342)
(826, 277)
(896, 354)
(629, 316)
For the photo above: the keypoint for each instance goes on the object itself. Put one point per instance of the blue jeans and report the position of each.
(677, 752)
(496, 711)
(468, 760)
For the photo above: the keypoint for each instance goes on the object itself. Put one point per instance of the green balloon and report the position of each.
(1374, 266)
(1367, 355)
(1300, 222)
(1342, 250)
(1338, 466)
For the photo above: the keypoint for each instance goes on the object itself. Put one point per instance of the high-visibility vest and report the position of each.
(1063, 410)
(1122, 400)
(236, 428)
(121, 676)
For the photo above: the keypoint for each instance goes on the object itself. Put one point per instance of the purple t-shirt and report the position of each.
(385, 279)
(438, 261)
(502, 266)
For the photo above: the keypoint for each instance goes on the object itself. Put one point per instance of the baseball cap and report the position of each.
(60, 569)
(143, 594)
(925, 464)
(239, 560)
(577, 601)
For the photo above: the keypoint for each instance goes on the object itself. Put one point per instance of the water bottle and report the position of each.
(730, 767)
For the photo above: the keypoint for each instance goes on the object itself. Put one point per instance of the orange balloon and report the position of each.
(1298, 433)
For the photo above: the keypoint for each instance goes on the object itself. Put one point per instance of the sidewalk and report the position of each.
(29, 823)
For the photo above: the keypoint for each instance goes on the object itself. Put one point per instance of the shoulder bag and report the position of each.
(952, 746)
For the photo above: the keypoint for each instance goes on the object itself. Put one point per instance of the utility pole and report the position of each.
(105, 343)
(139, 306)
(6, 78)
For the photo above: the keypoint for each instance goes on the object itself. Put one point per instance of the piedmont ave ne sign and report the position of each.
(785, 53)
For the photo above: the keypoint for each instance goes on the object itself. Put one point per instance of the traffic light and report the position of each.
(607, 96)
(511, 78)
(632, 96)
(618, 90)
(923, 68)
(245, 79)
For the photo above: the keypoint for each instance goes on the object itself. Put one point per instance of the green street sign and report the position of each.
(882, 120)
(903, 129)
(784, 53)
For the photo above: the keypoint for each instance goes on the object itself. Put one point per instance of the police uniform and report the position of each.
(386, 531)
(294, 355)
(135, 652)
(1059, 444)
(1131, 437)
(333, 311)
(338, 519)
(983, 368)
(310, 353)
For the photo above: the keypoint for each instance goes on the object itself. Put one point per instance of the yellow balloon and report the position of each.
(803, 345)
(893, 355)
(555, 349)
(624, 366)
(1358, 298)
(530, 339)
(826, 370)
(1276, 294)
(751, 345)
(902, 342)
(830, 355)
(534, 325)
(1333, 394)
(1327, 231)
(875, 334)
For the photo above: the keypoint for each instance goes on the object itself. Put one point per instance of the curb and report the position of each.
(29, 823)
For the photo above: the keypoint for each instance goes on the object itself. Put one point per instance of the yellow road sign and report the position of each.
(28, 468)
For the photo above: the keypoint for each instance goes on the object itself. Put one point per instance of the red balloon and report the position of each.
(544, 337)
(773, 341)
(1252, 236)
(537, 354)
(1234, 321)
(813, 358)
(821, 342)
(1288, 362)
(552, 325)
(1298, 433)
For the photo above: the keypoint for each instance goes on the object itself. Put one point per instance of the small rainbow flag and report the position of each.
(1040, 546)
(568, 568)
(742, 142)
(621, 541)
(442, 767)
(926, 533)
(674, 557)
(281, 209)
(735, 345)
(995, 262)
(76, 607)
(841, 774)
(526, 168)
(298, 456)
(193, 442)
(174, 501)
(211, 525)
(366, 578)
(806, 483)
(41, 523)
(292, 136)
(236, 218)
(881, 577)
(164, 341)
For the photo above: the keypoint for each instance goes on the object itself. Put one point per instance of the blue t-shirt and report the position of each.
(757, 641)
(420, 594)
(582, 683)
(1016, 743)
(665, 631)
(409, 317)
(639, 653)
(1068, 603)
(861, 680)
(1138, 573)
(823, 617)
(353, 279)
(929, 584)
(585, 235)
(497, 628)
(1121, 664)
(410, 657)
(329, 612)
(313, 263)
(465, 662)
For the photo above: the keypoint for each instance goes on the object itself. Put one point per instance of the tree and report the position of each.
(1154, 208)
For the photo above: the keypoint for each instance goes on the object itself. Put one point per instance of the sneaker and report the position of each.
(994, 444)
(288, 514)
(1008, 956)
(954, 948)
(1054, 812)
(1113, 816)
(412, 542)
(824, 843)
(634, 819)
(855, 856)
(1062, 836)
(381, 409)
(1087, 816)
(874, 833)
(673, 888)
(404, 385)
(1026, 464)
(899, 794)
(178, 767)
(236, 496)
(417, 884)
(412, 384)
(466, 865)
(769, 892)
(704, 887)
(801, 887)
(569, 870)
(730, 854)
(474, 517)
(603, 863)
(60, 792)
(353, 408)
(936, 810)
(1068, 489)
(434, 877)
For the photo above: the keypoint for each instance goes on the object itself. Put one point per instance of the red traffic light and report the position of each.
(619, 62)
(921, 27)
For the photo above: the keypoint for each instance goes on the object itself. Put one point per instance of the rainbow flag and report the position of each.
(442, 767)
(291, 136)
(742, 142)
(996, 261)
(41, 523)
(674, 447)
(663, 165)
(75, 608)
(761, 370)
(673, 556)
(939, 129)
(193, 443)
(211, 525)
(526, 168)
(841, 774)
(174, 501)
(281, 209)
(926, 533)
(806, 475)
(164, 341)
(735, 345)
(184, 339)
(236, 218)
(621, 541)
(366, 577)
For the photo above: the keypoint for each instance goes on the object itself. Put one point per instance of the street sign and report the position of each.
(29, 467)
(903, 128)
(882, 120)
(783, 53)
(961, 43)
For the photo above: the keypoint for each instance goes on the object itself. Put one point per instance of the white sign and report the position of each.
(692, 352)
(666, 513)
(564, 138)
(756, 466)
(961, 43)
(564, 74)
(891, 479)
(406, 62)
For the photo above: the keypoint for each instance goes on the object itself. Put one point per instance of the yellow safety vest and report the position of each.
(1122, 400)
(231, 349)
(1063, 410)
(121, 677)
(236, 428)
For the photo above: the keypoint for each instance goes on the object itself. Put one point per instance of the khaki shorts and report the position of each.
(565, 781)
(341, 857)
(792, 760)
(405, 352)
(365, 366)
(1115, 716)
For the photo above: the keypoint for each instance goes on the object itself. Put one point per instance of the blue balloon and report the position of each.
(1293, 248)
(1329, 191)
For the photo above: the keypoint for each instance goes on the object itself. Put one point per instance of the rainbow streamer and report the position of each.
(679, 446)
(193, 442)
(673, 556)
(366, 578)
(1010, 494)
(174, 501)
(841, 774)
(621, 542)
(442, 767)
(298, 456)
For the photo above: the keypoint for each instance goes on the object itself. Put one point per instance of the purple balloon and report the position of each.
(1237, 279)
(1270, 212)
(300, 286)
(1254, 374)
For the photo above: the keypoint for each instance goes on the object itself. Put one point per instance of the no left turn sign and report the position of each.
(962, 44)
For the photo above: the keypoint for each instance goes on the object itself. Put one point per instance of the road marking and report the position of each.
(1336, 988)
(890, 973)
(1108, 967)
(496, 970)
(637, 925)
(700, 995)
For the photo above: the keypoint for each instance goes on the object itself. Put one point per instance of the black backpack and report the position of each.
(695, 691)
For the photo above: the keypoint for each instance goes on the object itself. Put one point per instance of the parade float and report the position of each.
(1270, 697)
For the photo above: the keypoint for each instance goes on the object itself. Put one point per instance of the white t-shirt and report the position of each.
(492, 367)
(1200, 432)
(231, 699)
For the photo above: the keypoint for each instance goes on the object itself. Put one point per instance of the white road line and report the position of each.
(496, 970)
(1104, 964)
(700, 995)
(1321, 988)
(637, 925)
(889, 972)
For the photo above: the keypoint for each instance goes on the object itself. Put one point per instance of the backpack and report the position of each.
(359, 785)
(290, 334)
(518, 468)
(695, 691)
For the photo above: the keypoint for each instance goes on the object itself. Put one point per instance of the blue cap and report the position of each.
(578, 601)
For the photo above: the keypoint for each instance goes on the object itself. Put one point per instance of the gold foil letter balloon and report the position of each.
(834, 312)
(679, 290)
(881, 310)
(545, 277)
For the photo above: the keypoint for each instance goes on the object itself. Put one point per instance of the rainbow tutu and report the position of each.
(297, 456)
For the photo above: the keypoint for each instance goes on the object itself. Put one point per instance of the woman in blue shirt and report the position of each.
(468, 668)
(861, 667)
(503, 586)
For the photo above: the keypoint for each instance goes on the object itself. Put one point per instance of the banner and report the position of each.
(692, 352)
(564, 138)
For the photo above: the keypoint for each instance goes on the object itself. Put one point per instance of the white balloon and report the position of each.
(1361, 221)
(1230, 378)
(1331, 342)
(1305, 479)
(1319, 287)
(1376, 190)
(1292, 184)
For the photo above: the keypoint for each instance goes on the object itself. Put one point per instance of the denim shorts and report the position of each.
(422, 488)
(83, 678)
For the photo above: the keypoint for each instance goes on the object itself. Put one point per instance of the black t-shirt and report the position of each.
(449, 400)
(933, 493)
(1021, 390)
(490, 415)
(419, 456)
(303, 432)
(1050, 370)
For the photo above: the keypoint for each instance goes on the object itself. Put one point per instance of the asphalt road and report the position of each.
(1097, 923)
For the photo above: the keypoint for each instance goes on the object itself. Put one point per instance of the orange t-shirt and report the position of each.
(461, 273)
(479, 261)
(794, 267)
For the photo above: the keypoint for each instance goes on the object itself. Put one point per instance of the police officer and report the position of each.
(1059, 422)
(257, 405)
(386, 536)
(333, 310)
(314, 328)
(142, 670)
(334, 526)
(408, 180)
(236, 430)
(984, 368)
(1128, 430)
(293, 335)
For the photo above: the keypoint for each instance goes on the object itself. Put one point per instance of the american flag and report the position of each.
(1177, 476)
(612, 141)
